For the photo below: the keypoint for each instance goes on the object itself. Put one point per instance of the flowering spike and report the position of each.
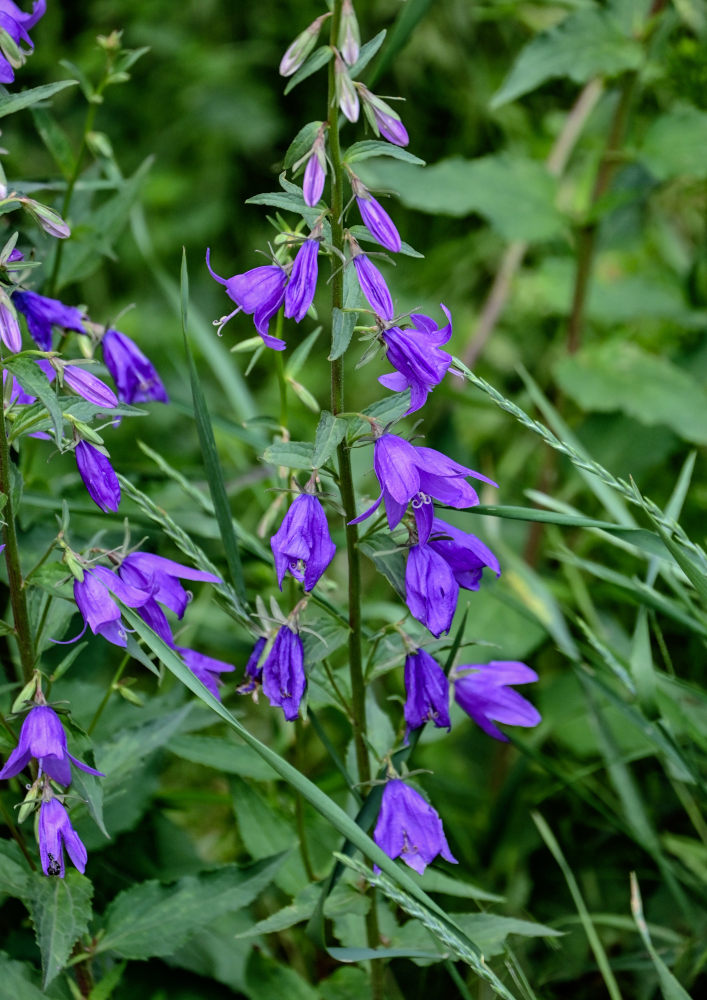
(89, 386)
(485, 695)
(409, 828)
(99, 610)
(42, 736)
(98, 476)
(349, 35)
(465, 554)
(206, 669)
(383, 120)
(315, 171)
(9, 327)
(283, 674)
(259, 292)
(416, 354)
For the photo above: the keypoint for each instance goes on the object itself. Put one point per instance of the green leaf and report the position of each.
(669, 986)
(515, 194)
(368, 148)
(586, 44)
(222, 754)
(320, 57)
(14, 873)
(34, 381)
(301, 144)
(289, 201)
(16, 980)
(122, 754)
(150, 919)
(674, 145)
(302, 352)
(331, 431)
(55, 139)
(367, 52)
(267, 979)
(437, 881)
(388, 559)
(103, 990)
(60, 909)
(9, 103)
(342, 328)
(291, 454)
(212, 465)
(487, 930)
(618, 375)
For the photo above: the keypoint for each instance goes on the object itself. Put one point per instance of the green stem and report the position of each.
(281, 380)
(17, 836)
(18, 596)
(111, 688)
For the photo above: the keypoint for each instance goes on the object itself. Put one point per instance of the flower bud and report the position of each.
(346, 95)
(382, 119)
(298, 51)
(9, 327)
(349, 36)
(50, 221)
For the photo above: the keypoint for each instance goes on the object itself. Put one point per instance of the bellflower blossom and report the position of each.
(42, 313)
(283, 674)
(375, 218)
(406, 471)
(485, 695)
(382, 119)
(10, 333)
(409, 828)
(416, 354)
(303, 281)
(42, 736)
(89, 386)
(133, 373)
(346, 96)
(55, 834)
(206, 669)
(253, 671)
(465, 554)
(431, 592)
(427, 690)
(16, 23)
(98, 608)
(259, 292)
(372, 284)
(98, 476)
(314, 174)
(303, 539)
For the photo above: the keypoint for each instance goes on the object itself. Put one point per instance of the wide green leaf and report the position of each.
(291, 454)
(9, 103)
(222, 754)
(331, 431)
(675, 144)
(60, 910)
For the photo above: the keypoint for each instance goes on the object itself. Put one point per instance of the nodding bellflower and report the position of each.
(409, 828)
(382, 119)
(16, 23)
(303, 281)
(133, 373)
(42, 736)
(56, 833)
(375, 218)
(373, 285)
(303, 540)
(465, 554)
(253, 669)
(485, 695)
(315, 172)
(99, 611)
(416, 354)
(283, 674)
(98, 476)
(427, 690)
(206, 669)
(349, 35)
(42, 313)
(259, 292)
(431, 592)
(89, 386)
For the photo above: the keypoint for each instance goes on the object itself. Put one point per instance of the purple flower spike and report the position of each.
(373, 286)
(427, 691)
(485, 696)
(206, 669)
(55, 834)
(132, 372)
(100, 612)
(303, 539)
(89, 386)
(465, 554)
(283, 675)
(259, 292)
(303, 281)
(409, 828)
(42, 313)
(431, 591)
(416, 354)
(42, 736)
(98, 476)
(378, 222)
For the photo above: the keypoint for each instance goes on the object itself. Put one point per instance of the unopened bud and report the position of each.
(349, 35)
(298, 51)
(50, 221)
(346, 95)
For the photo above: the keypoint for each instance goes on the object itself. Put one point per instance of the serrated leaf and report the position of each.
(291, 454)
(34, 381)
(320, 57)
(675, 143)
(221, 754)
(331, 431)
(267, 979)
(14, 874)
(150, 919)
(342, 328)
(16, 978)
(9, 103)
(368, 148)
(586, 44)
(60, 909)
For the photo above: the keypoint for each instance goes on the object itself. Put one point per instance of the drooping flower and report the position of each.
(431, 592)
(206, 668)
(132, 372)
(373, 285)
(302, 544)
(283, 674)
(465, 554)
(253, 668)
(42, 736)
(89, 386)
(314, 176)
(98, 476)
(405, 471)
(42, 313)
(485, 695)
(259, 292)
(99, 610)
(382, 119)
(9, 327)
(55, 834)
(375, 218)
(409, 828)
(303, 281)
(427, 690)
(299, 49)
(416, 354)
(14, 25)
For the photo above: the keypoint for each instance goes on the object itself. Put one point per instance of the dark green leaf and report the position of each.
(9, 103)
(14, 871)
(368, 148)
(291, 454)
(267, 979)
(342, 328)
(60, 910)
(675, 143)
(301, 144)
(55, 139)
(368, 51)
(34, 381)
(221, 754)
(320, 57)
(331, 431)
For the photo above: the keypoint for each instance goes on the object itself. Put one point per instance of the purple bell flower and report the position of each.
(405, 472)
(373, 286)
(409, 828)
(10, 333)
(415, 353)
(485, 695)
(431, 592)
(465, 554)
(89, 386)
(132, 372)
(98, 476)
(206, 669)
(375, 218)
(427, 690)
(383, 120)
(42, 736)
(55, 834)
(253, 671)
(303, 538)
(42, 313)
(16, 23)
(259, 292)
(303, 281)
(315, 172)
(283, 674)
(100, 612)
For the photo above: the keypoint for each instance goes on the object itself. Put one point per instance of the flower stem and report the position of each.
(18, 597)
